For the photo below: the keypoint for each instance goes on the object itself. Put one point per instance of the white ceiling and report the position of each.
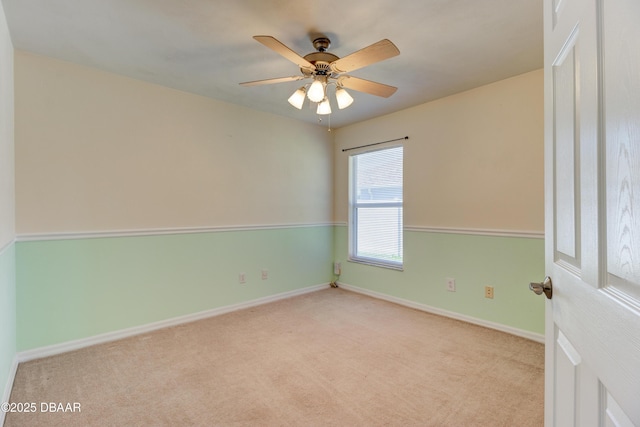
(206, 46)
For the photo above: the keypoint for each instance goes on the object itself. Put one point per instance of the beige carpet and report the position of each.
(329, 358)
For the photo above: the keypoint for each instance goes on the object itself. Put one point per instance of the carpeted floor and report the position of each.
(328, 358)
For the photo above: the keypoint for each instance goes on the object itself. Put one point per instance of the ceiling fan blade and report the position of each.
(271, 81)
(367, 86)
(278, 47)
(377, 52)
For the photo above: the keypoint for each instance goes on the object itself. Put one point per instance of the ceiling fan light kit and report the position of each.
(297, 99)
(324, 107)
(343, 98)
(316, 90)
(327, 69)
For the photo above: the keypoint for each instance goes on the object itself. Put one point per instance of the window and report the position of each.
(375, 202)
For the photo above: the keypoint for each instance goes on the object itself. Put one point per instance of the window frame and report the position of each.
(354, 205)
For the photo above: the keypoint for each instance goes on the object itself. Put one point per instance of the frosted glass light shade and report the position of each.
(324, 107)
(297, 99)
(343, 98)
(316, 91)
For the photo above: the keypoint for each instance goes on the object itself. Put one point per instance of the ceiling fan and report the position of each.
(325, 69)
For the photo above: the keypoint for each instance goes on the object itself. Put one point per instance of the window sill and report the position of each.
(377, 263)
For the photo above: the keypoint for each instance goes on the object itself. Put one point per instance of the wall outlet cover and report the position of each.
(451, 284)
(488, 292)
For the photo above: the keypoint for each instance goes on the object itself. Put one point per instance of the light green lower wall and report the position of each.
(506, 263)
(73, 289)
(7, 314)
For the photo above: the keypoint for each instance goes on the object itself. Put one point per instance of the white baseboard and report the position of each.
(51, 350)
(8, 386)
(434, 310)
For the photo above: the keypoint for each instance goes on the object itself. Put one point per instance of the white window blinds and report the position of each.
(376, 207)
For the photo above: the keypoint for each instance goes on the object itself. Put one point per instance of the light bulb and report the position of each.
(297, 99)
(343, 98)
(324, 107)
(316, 91)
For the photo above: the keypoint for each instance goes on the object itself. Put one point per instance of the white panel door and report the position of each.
(592, 212)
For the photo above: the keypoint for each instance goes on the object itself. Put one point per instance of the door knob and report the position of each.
(546, 287)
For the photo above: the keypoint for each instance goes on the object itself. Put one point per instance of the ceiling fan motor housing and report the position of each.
(321, 61)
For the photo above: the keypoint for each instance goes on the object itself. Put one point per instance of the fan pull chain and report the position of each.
(320, 121)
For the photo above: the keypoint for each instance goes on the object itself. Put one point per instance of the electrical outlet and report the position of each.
(265, 274)
(488, 292)
(451, 285)
(242, 278)
(337, 268)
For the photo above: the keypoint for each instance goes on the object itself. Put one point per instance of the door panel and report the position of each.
(566, 109)
(592, 212)
(620, 35)
(615, 416)
(566, 383)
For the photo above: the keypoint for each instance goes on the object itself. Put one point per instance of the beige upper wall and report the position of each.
(100, 152)
(7, 189)
(473, 160)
